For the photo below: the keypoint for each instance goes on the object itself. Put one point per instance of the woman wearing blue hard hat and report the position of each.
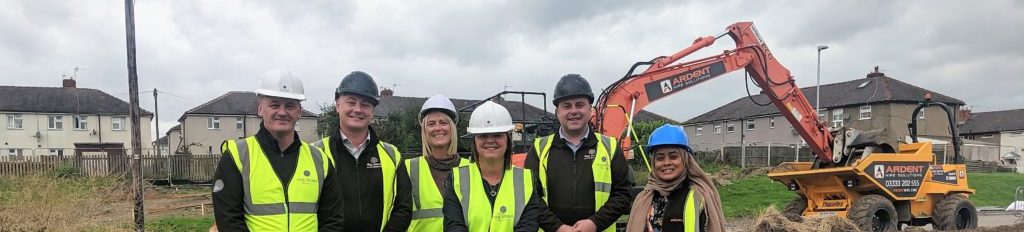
(679, 196)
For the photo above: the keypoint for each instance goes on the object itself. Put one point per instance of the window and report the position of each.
(700, 130)
(14, 121)
(750, 124)
(989, 136)
(771, 122)
(821, 116)
(117, 123)
(55, 122)
(718, 128)
(213, 123)
(239, 123)
(297, 126)
(837, 118)
(729, 128)
(56, 151)
(14, 152)
(865, 112)
(81, 122)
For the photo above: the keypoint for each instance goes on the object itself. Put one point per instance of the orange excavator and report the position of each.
(878, 186)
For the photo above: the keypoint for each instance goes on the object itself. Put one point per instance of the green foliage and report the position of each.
(400, 128)
(195, 223)
(747, 196)
(64, 170)
(994, 189)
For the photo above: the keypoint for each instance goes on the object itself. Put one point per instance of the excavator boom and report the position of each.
(632, 93)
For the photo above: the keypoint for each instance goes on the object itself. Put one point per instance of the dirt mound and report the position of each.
(771, 220)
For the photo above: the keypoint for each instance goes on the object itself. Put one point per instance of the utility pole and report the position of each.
(133, 92)
(156, 120)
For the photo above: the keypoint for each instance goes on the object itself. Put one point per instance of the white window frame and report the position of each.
(15, 121)
(81, 123)
(213, 123)
(988, 136)
(837, 118)
(297, 125)
(699, 130)
(117, 123)
(821, 115)
(56, 152)
(239, 123)
(55, 122)
(771, 122)
(718, 128)
(730, 127)
(865, 110)
(15, 152)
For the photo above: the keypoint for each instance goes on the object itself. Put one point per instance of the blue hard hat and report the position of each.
(668, 134)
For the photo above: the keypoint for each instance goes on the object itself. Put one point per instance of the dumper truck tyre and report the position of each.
(955, 212)
(797, 206)
(874, 213)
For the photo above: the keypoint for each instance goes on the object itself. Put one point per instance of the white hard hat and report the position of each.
(440, 103)
(489, 118)
(281, 83)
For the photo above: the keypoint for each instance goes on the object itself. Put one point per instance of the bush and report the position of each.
(64, 170)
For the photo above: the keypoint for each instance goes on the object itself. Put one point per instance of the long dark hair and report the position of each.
(474, 157)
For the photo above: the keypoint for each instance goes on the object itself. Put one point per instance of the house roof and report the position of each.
(62, 100)
(516, 109)
(231, 103)
(876, 88)
(993, 122)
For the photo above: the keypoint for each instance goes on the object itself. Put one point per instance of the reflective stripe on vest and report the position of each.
(477, 209)
(426, 196)
(390, 158)
(265, 204)
(601, 167)
(691, 213)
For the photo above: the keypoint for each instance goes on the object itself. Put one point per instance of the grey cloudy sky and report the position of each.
(197, 50)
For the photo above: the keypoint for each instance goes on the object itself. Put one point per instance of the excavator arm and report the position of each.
(632, 93)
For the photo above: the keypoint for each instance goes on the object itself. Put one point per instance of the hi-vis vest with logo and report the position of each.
(601, 168)
(516, 188)
(426, 196)
(388, 166)
(267, 206)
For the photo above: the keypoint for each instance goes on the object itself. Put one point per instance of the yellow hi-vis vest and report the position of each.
(267, 206)
(426, 196)
(601, 168)
(516, 189)
(389, 160)
(691, 213)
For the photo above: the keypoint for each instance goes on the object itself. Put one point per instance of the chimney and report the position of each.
(963, 115)
(69, 83)
(876, 73)
(386, 92)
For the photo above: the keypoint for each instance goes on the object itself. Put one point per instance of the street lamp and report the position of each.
(817, 89)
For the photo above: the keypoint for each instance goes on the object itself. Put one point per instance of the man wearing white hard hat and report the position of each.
(272, 181)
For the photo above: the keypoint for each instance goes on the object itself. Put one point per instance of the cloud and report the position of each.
(197, 50)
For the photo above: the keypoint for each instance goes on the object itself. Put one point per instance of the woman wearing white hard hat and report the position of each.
(428, 172)
(490, 194)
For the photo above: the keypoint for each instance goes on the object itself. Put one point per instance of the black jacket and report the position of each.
(227, 201)
(672, 220)
(455, 221)
(363, 193)
(571, 183)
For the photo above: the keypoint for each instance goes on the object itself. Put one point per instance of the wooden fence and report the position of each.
(177, 167)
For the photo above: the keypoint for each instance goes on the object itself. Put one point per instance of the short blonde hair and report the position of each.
(453, 144)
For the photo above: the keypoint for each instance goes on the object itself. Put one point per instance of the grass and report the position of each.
(180, 223)
(994, 189)
(748, 196)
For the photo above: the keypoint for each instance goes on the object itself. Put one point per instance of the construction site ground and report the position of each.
(42, 202)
